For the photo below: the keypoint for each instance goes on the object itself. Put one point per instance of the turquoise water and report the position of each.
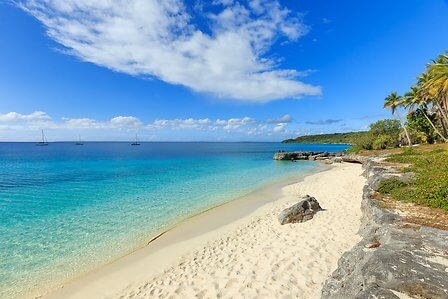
(66, 209)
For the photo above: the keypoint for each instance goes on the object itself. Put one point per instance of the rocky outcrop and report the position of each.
(319, 156)
(300, 212)
(394, 259)
(353, 158)
(305, 155)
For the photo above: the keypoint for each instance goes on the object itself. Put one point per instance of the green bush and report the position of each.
(389, 185)
(384, 141)
(430, 185)
(354, 149)
(420, 128)
(408, 151)
(383, 134)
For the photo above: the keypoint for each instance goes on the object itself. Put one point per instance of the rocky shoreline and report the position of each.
(395, 259)
(329, 157)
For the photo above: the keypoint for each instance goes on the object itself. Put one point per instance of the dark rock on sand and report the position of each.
(300, 212)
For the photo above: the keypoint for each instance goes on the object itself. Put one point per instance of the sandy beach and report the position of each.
(231, 252)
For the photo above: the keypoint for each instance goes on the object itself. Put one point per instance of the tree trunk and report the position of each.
(444, 117)
(445, 129)
(433, 126)
(405, 130)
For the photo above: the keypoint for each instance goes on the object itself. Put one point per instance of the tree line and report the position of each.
(426, 104)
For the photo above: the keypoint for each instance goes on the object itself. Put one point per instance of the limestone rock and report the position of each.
(300, 212)
(393, 257)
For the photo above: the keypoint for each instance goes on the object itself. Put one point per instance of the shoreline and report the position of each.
(258, 257)
(188, 232)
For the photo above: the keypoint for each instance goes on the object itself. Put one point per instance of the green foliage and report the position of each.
(383, 134)
(430, 185)
(389, 127)
(408, 151)
(343, 138)
(389, 185)
(420, 128)
(384, 141)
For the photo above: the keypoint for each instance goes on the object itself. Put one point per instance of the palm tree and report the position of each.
(393, 101)
(438, 72)
(428, 93)
(413, 99)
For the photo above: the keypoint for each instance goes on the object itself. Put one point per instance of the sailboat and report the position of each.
(44, 140)
(136, 141)
(79, 142)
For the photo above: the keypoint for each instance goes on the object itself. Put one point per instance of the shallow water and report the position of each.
(67, 209)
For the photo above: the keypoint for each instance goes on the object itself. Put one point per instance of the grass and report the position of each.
(430, 185)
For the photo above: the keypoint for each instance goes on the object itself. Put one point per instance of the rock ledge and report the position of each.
(395, 259)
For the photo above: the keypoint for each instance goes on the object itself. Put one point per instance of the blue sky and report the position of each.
(218, 70)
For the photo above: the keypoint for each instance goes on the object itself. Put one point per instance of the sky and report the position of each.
(218, 70)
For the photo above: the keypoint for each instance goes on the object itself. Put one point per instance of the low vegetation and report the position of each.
(382, 134)
(342, 138)
(429, 186)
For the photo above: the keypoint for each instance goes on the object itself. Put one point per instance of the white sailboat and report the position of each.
(44, 140)
(136, 142)
(79, 142)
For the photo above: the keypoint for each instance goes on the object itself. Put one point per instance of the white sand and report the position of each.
(252, 257)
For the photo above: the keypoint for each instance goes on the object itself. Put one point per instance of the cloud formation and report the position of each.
(35, 121)
(14, 117)
(228, 55)
(283, 119)
(323, 122)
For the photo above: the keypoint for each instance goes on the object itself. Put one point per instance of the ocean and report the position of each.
(67, 209)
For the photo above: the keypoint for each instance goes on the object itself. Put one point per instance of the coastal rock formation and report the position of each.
(353, 158)
(304, 155)
(319, 156)
(395, 259)
(300, 212)
(337, 160)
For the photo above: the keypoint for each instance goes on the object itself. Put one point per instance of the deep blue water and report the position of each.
(66, 209)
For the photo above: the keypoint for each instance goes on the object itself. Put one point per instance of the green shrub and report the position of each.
(389, 185)
(354, 149)
(408, 151)
(430, 185)
(420, 128)
(384, 141)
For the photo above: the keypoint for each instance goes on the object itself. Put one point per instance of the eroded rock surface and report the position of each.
(395, 259)
(300, 212)
(319, 156)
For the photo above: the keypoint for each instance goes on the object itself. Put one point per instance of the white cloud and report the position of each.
(13, 125)
(81, 123)
(188, 123)
(282, 119)
(279, 127)
(14, 116)
(203, 124)
(235, 123)
(118, 122)
(162, 39)
(126, 121)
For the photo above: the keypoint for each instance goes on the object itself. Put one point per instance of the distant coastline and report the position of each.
(348, 138)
